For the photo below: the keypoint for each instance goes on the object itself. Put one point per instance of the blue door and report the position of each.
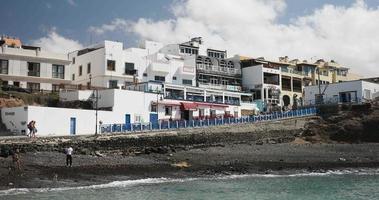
(72, 126)
(153, 118)
(127, 119)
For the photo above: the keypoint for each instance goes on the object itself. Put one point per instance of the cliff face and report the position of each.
(354, 124)
(12, 102)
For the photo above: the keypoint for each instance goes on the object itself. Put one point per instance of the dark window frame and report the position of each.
(111, 65)
(160, 78)
(186, 82)
(4, 69)
(34, 69)
(58, 71)
(130, 68)
(168, 110)
(80, 70)
(88, 68)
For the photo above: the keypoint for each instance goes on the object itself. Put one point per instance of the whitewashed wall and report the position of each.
(333, 90)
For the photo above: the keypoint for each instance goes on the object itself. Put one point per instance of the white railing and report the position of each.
(218, 69)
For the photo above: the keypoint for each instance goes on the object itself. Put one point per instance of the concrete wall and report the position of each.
(81, 95)
(252, 76)
(56, 121)
(332, 91)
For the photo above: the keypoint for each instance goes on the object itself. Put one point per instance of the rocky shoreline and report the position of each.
(262, 148)
(47, 169)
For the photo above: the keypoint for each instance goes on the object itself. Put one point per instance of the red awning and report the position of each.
(166, 103)
(189, 106)
(213, 105)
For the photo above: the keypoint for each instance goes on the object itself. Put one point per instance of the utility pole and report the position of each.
(90, 81)
(96, 107)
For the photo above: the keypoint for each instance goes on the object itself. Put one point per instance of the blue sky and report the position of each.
(341, 30)
(31, 19)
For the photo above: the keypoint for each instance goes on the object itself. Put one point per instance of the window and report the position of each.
(230, 64)
(144, 74)
(181, 50)
(33, 86)
(55, 87)
(58, 71)
(4, 66)
(187, 82)
(113, 84)
(160, 78)
(367, 94)
(174, 78)
(137, 118)
(33, 69)
(73, 77)
(129, 69)
(73, 60)
(201, 113)
(111, 65)
(153, 108)
(80, 70)
(168, 110)
(88, 68)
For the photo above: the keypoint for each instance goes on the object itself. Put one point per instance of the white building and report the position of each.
(343, 92)
(32, 67)
(109, 65)
(118, 106)
(263, 79)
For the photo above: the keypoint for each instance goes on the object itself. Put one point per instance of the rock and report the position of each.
(84, 151)
(259, 142)
(342, 159)
(98, 154)
(183, 164)
(10, 184)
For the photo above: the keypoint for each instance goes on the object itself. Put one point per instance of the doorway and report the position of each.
(72, 126)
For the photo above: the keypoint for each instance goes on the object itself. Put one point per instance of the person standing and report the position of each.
(68, 152)
(16, 160)
(30, 127)
(34, 129)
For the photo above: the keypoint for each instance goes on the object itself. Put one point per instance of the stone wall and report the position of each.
(258, 133)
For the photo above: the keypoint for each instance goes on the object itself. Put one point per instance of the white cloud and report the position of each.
(71, 2)
(116, 24)
(56, 43)
(347, 34)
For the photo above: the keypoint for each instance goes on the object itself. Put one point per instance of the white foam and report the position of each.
(148, 181)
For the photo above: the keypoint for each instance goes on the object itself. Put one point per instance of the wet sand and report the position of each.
(47, 169)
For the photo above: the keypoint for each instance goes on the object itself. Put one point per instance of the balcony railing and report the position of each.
(220, 87)
(34, 73)
(292, 71)
(131, 72)
(201, 99)
(214, 69)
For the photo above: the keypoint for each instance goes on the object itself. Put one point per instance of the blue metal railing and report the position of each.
(167, 125)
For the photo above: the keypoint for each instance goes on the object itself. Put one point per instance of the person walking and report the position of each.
(30, 127)
(34, 129)
(69, 152)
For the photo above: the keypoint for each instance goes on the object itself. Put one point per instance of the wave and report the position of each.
(150, 181)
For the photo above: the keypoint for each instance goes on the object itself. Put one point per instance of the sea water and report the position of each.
(359, 184)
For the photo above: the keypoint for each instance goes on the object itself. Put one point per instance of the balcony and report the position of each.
(292, 71)
(34, 73)
(220, 87)
(214, 69)
(160, 67)
(131, 72)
